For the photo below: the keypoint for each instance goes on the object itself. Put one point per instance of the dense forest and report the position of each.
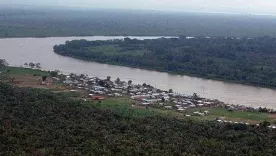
(38, 122)
(43, 22)
(242, 60)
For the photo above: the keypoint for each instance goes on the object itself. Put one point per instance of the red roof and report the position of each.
(98, 97)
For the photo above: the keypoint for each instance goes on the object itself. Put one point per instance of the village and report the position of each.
(138, 96)
(145, 95)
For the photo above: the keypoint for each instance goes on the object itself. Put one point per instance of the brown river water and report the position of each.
(17, 51)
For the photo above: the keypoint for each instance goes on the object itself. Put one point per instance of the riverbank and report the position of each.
(141, 96)
(172, 73)
(19, 51)
(213, 61)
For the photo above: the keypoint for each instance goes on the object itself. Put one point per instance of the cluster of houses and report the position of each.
(143, 94)
(272, 126)
(146, 95)
(171, 100)
(225, 121)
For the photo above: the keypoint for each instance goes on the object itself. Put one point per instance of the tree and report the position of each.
(195, 96)
(108, 78)
(54, 73)
(170, 91)
(263, 110)
(129, 82)
(163, 99)
(101, 83)
(117, 81)
(127, 40)
(44, 78)
(265, 124)
(82, 76)
(32, 65)
(3, 63)
(38, 65)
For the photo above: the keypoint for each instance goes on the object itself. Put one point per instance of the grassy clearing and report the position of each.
(220, 112)
(124, 106)
(107, 49)
(23, 71)
(25, 77)
(113, 50)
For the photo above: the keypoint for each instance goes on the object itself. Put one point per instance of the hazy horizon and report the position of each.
(212, 6)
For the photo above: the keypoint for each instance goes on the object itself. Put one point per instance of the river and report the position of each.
(17, 51)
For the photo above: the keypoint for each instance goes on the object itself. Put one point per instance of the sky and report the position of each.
(226, 6)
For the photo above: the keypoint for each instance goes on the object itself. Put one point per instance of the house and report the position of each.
(145, 103)
(98, 97)
(98, 88)
(181, 109)
(110, 95)
(206, 112)
(198, 114)
(200, 105)
(192, 106)
(118, 94)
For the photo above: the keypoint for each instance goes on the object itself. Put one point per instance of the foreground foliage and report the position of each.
(38, 122)
(250, 61)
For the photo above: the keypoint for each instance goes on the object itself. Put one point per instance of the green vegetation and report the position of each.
(242, 60)
(44, 22)
(222, 112)
(38, 122)
(123, 105)
(115, 50)
(23, 71)
(68, 93)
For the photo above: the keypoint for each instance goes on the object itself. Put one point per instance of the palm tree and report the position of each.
(129, 82)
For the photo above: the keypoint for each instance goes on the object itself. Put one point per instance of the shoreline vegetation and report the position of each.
(75, 81)
(238, 60)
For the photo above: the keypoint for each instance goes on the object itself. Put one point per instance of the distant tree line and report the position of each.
(39, 22)
(242, 60)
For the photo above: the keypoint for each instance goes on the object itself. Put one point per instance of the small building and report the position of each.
(98, 97)
(168, 107)
(118, 94)
(145, 103)
(181, 109)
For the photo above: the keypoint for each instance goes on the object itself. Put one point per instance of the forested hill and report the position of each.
(242, 60)
(43, 22)
(38, 122)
